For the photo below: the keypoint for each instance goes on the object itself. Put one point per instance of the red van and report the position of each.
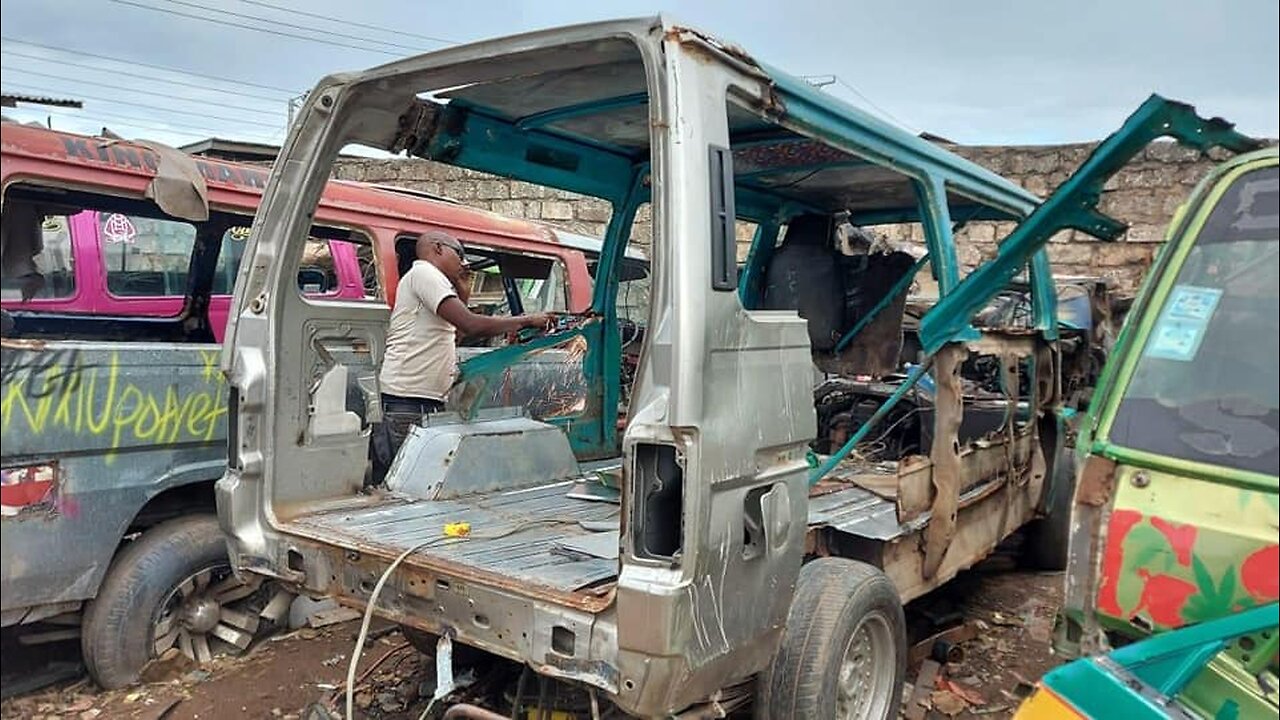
(114, 410)
(105, 260)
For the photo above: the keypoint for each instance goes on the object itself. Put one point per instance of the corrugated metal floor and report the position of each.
(512, 534)
(516, 534)
(855, 509)
(858, 512)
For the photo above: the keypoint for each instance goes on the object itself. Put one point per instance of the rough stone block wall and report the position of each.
(513, 198)
(1144, 195)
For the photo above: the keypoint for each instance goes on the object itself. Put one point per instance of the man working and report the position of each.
(421, 358)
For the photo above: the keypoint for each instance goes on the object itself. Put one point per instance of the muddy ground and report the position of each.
(1011, 611)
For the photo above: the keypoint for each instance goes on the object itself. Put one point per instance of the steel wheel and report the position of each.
(866, 683)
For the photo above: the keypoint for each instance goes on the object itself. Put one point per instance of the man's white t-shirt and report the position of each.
(421, 357)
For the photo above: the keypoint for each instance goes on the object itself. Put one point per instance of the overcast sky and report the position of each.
(1007, 72)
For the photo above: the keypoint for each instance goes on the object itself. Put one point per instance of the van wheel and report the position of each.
(1045, 541)
(172, 587)
(844, 650)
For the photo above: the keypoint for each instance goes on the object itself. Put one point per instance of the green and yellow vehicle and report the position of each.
(1175, 513)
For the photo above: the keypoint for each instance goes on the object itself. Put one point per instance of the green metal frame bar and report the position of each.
(931, 197)
(470, 138)
(1186, 468)
(1130, 681)
(751, 283)
(1074, 205)
(890, 402)
(895, 291)
(585, 109)
(831, 120)
(1044, 296)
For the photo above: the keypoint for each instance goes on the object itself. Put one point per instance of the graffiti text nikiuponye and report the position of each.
(66, 394)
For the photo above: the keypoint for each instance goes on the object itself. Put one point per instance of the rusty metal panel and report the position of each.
(858, 512)
(949, 409)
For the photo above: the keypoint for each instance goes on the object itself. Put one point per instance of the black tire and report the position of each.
(834, 598)
(1045, 540)
(116, 636)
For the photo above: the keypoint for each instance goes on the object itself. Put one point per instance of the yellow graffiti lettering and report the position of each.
(87, 400)
(127, 414)
(63, 415)
(212, 373)
(199, 408)
(177, 424)
(96, 401)
(15, 396)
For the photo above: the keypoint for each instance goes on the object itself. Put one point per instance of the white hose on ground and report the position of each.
(382, 581)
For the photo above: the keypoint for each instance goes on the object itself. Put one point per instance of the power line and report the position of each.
(149, 78)
(133, 121)
(82, 53)
(279, 23)
(241, 26)
(352, 23)
(141, 92)
(141, 106)
(869, 101)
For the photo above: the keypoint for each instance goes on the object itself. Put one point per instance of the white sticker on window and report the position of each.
(1183, 323)
(119, 229)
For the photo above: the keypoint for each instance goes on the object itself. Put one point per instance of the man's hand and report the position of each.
(541, 321)
(461, 284)
(470, 324)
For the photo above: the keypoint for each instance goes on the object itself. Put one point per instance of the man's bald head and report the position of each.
(432, 241)
(444, 251)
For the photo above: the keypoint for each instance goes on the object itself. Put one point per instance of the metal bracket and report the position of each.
(417, 124)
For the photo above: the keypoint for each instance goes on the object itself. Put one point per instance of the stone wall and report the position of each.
(1144, 195)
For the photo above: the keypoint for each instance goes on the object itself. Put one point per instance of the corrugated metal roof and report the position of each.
(12, 100)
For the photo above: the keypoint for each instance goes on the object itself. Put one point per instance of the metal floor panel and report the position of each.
(858, 512)
(512, 533)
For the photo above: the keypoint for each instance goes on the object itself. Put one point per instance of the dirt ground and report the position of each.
(1012, 612)
(283, 677)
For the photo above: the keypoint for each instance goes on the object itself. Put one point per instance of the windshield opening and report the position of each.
(1205, 387)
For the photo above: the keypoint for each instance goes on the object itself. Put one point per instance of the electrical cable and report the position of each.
(132, 121)
(149, 78)
(386, 574)
(82, 53)
(242, 26)
(869, 101)
(279, 23)
(352, 23)
(142, 106)
(110, 86)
